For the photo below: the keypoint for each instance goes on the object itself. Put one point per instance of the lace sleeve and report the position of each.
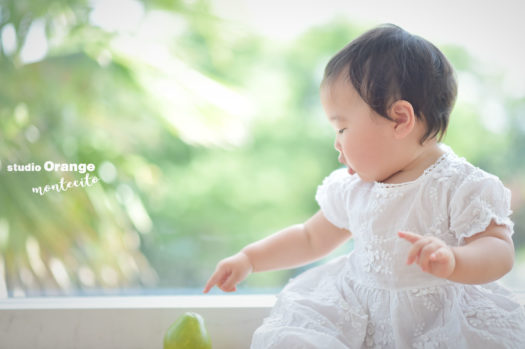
(331, 198)
(476, 202)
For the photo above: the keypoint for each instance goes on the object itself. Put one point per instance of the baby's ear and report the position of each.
(402, 113)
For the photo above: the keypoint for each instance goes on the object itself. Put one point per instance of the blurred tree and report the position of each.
(77, 91)
(59, 242)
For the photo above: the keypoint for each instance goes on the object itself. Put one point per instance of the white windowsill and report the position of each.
(129, 321)
(126, 322)
(140, 302)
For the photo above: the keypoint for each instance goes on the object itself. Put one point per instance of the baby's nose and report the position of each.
(337, 147)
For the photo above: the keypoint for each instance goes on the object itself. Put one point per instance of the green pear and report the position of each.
(187, 332)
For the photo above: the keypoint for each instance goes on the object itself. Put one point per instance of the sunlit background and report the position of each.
(204, 123)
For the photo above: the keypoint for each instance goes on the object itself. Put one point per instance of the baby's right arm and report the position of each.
(291, 247)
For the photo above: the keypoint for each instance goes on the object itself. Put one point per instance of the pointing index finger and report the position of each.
(211, 282)
(410, 237)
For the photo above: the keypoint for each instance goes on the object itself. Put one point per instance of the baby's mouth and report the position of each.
(342, 160)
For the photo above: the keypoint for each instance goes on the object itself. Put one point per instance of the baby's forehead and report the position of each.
(338, 87)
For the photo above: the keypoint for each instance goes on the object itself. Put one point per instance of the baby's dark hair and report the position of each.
(387, 64)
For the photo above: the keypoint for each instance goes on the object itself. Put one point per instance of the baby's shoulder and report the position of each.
(457, 175)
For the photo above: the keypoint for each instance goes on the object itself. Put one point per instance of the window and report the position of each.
(136, 152)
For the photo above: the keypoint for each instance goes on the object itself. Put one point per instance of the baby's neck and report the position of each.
(417, 164)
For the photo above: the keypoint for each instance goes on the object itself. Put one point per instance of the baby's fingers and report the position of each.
(439, 256)
(410, 237)
(416, 249)
(425, 257)
(229, 284)
(442, 255)
(212, 281)
(218, 277)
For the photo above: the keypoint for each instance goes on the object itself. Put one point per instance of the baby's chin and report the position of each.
(362, 176)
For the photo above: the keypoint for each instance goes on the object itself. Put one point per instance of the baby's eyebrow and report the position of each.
(336, 118)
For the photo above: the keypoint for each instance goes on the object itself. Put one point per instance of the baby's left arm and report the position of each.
(485, 257)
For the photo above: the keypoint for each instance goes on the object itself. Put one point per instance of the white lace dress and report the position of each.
(370, 298)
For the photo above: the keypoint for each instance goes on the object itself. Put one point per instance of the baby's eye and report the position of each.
(341, 130)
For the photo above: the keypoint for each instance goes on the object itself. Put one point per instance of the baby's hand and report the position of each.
(433, 255)
(229, 272)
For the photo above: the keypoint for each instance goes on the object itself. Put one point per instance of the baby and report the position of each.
(431, 231)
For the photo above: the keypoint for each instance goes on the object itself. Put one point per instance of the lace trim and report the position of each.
(425, 174)
(482, 223)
